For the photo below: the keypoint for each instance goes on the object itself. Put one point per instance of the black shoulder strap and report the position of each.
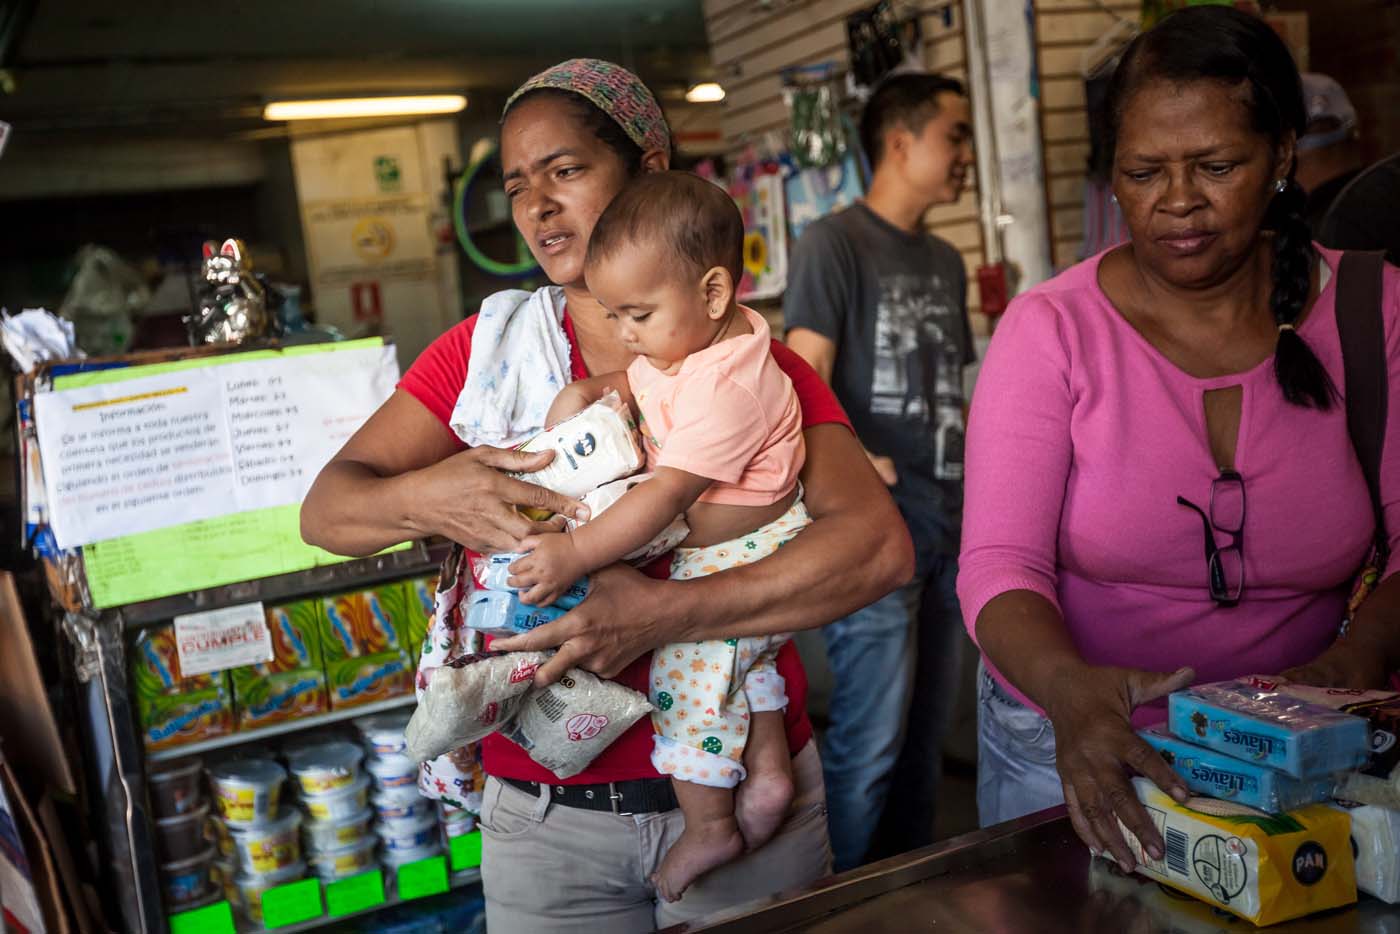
(1362, 331)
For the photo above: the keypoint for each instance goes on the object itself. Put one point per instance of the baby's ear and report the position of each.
(718, 287)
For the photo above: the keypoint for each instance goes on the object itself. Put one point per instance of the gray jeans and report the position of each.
(1015, 756)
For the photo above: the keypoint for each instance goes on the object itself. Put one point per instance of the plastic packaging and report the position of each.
(566, 725)
(383, 733)
(393, 859)
(459, 828)
(394, 771)
(251, 887)
(346, 861)
(1274, 729)
(269, 847)
(468, 699)
(493, 573)
(401, 807)
(334, 835)
(1375, 839)
(174, 787)
(1212, 773)
(591, 448)
(183, 837)
(247, 791)
(410, 834)
(325, 767)
(500, 613)
(187, 880)
(1264, 869)
(343, 803)
(600, 500)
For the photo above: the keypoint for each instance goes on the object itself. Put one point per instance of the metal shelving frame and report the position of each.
(116, 758)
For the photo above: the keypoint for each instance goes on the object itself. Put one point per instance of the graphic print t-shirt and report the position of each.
(895, 304)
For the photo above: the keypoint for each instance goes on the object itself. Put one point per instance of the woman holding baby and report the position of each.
(584, 853)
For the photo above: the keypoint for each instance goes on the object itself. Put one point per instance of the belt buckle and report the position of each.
(615, 798)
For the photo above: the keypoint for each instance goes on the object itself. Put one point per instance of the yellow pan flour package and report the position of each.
(1264, 868)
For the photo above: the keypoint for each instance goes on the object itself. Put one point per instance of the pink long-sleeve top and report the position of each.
(1081, 437)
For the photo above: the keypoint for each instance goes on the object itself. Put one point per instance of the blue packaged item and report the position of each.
(1248, 722)
(494, 571)
(1218, 775)
(498, 613)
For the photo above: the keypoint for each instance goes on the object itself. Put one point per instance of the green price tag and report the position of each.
(211, 919)
(355, 893)
(291, 903)
(466, 851)
(423, 878)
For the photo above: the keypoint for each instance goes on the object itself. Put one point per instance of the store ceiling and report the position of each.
(159, 65)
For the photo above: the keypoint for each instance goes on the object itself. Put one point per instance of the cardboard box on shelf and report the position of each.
(293, 683)
(364, 653)
(421, 594)
(171, 708)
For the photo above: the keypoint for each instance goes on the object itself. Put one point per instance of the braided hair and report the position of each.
(1219, 43)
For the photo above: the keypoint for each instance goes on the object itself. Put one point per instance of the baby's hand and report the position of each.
(551, 566)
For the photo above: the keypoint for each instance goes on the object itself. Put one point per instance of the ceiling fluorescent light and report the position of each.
(706, 92)
(349, 107)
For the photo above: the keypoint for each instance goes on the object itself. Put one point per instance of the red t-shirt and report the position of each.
(436, 379)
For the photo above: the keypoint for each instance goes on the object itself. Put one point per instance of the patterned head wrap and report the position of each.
(612, 89)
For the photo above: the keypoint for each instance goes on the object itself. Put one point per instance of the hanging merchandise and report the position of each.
(757, 189)
(818, 137)
(484, 154)
(882, 38)
(817, 192)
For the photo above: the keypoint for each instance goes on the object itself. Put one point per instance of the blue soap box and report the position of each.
(498, 613)
(494, 573)
(1265, 727)
(1217, 775)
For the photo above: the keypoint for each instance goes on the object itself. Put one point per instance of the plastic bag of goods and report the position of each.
(605, 496)
(591, 448)
(467, 699)
(566, 725)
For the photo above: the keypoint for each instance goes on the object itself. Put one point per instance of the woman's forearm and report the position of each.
(1024, 636)
(856, 550)
(334, 515)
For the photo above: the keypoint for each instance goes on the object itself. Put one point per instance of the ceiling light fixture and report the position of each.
(706, 92)
(349, 107)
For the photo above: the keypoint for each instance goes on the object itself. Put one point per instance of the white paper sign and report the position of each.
(141, 454)
(218, 639)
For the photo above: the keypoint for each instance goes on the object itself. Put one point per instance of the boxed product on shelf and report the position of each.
(173, 709)
(293, 683)
(422, 593)
(365, 659)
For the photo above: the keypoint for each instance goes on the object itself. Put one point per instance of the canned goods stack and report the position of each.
(260, 843)
(407, 822)
(184, 840)
(334, 792)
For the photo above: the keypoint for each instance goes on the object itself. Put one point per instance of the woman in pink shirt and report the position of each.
(1184, 384)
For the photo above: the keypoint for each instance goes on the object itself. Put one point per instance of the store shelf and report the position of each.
(420, 558)
(459, 880)
(280, 729)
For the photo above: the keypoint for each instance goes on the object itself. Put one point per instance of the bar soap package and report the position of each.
(1270, 728)
(1217, 775)
(1378, 781)
(493, 573)
(498, 613)
(591, 448)
(1266, 869)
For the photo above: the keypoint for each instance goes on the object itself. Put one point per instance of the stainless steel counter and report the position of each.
(1031, 875)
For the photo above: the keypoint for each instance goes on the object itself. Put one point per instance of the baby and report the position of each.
(722, 431)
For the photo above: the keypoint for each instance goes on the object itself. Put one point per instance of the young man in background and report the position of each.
(878, 306)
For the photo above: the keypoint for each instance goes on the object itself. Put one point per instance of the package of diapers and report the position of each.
(467, 699)
(601, 499)
(1264, 868)
(594, 447)
(493, 573)
(1270, 728)
(566, 725)
(500, 613)
(1207, 772)
(1375, 839)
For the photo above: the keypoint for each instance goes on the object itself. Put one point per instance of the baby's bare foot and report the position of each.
(702, 847)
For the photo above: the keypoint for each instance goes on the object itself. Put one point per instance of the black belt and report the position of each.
(639, 796)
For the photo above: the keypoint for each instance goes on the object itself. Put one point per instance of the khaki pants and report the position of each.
(560, 869)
